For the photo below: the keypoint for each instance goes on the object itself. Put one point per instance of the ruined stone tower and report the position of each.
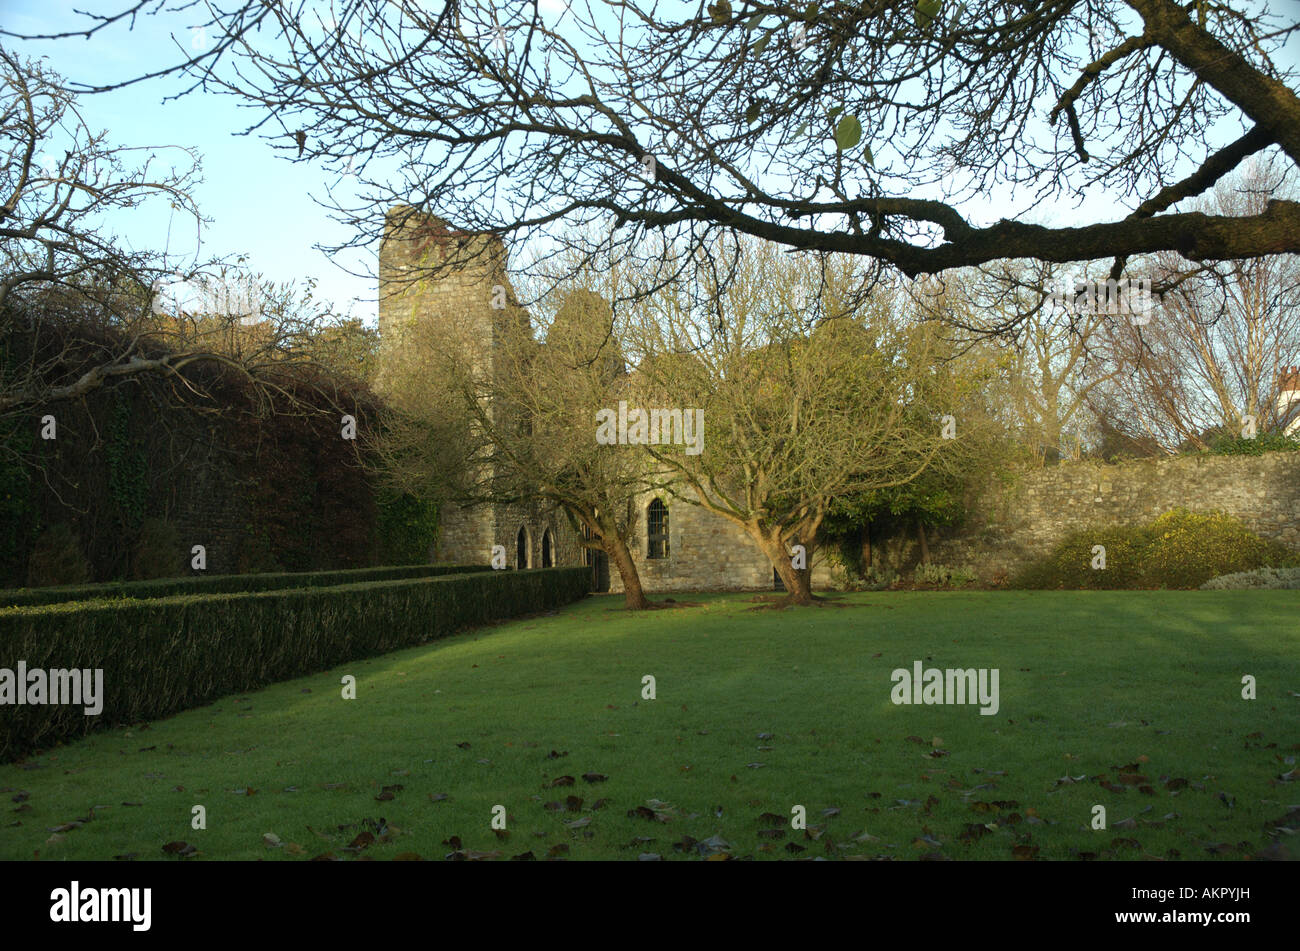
(433, 277)
(440, 283)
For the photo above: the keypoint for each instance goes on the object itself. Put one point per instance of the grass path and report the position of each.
(1092, 684)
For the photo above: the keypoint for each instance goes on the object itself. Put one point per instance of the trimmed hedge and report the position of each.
(1180, 549)
(222, 584)
(164, 655)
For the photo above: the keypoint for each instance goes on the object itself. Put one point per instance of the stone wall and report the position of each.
(706, 552)
(1023, 518)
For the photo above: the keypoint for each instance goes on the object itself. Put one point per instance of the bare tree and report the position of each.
(1212, 359)
(867, 128)
(80, 310)
(1051, 359)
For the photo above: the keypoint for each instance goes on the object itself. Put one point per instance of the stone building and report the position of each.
(676, 546)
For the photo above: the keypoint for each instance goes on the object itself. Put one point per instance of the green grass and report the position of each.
(1091, 682)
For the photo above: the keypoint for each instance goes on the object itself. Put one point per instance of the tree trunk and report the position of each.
(925, 548)
(866, 548)
(797, 583)
(634, 598)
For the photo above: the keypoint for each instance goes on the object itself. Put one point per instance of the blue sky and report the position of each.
(260, 204)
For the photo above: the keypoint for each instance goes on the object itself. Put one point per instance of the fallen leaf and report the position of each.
(362, 840)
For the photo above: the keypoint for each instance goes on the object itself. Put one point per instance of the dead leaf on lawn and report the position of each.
(362, 840)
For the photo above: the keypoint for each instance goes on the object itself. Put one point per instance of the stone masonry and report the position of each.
(1017, 522)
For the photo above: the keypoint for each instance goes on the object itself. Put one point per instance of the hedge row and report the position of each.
(164, 655)
(222, 584)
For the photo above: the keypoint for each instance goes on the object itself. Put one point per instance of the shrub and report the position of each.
(222, 584)
(1260, 578)
(164, 655)
(58, 558)
(1180, 549)
(1236, 445)
(876, 580)
(943, 575)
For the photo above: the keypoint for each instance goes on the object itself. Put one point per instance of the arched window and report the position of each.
(548, 549)
(523, 549)
(656, 521)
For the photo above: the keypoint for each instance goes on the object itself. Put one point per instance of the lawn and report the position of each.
(1129, 700)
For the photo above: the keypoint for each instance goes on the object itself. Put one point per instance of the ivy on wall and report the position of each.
(128, 468)
(20, 520)
(407, 527)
